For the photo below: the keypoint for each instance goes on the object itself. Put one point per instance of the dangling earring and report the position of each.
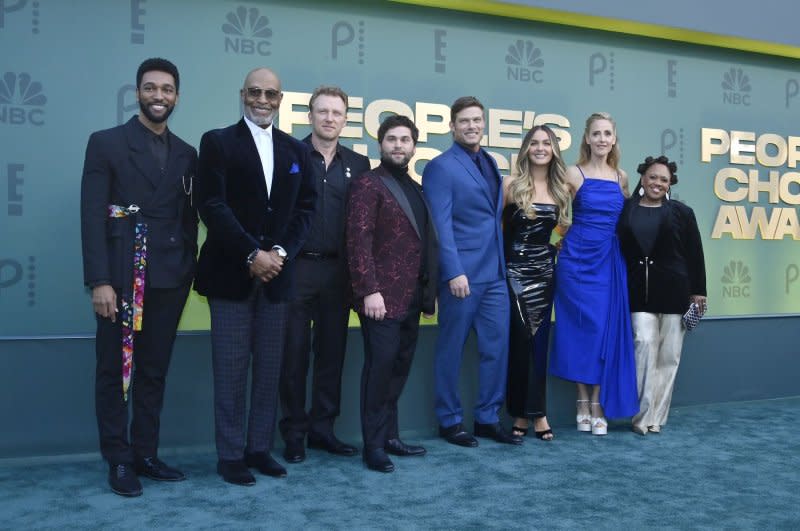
(667, 194)
(641, 192)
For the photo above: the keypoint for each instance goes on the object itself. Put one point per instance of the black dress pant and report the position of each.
(321, 298)
(389, 347)
(152, 351)
(526, 396)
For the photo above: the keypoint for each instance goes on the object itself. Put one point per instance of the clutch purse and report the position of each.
(692, 316)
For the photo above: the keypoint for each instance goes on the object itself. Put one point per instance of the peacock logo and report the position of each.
(736, 87)
(736, 280)
(21, 99)
(524, 62)
(246, 32)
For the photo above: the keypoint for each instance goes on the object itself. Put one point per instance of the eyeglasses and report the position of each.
(270, 94)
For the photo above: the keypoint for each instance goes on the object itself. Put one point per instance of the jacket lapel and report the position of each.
(400, 197)
(247, 152)
(140, 155)
(464, 159)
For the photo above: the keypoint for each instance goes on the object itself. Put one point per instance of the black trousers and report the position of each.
(320, 298)
(526, 396)
(152, 351)
(389, 347)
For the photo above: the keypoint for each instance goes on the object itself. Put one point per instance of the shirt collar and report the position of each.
(256, 130)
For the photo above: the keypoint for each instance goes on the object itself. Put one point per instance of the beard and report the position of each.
(155, 118)
(259, 120)
(386, 160)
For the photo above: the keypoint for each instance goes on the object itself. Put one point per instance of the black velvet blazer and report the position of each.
(675, 269)
(231, 196)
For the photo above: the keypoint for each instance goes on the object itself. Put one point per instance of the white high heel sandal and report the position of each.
(599, 424)
(583, 421)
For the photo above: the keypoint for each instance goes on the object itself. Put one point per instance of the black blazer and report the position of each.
(233, 204)
(663, 281)
(120, 169)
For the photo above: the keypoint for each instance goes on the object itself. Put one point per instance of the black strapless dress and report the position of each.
(529, 267)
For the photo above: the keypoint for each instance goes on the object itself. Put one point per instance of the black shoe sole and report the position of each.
(320, 446)
(156, 478)
(128, 494)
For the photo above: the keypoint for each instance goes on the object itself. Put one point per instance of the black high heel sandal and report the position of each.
(542, 434)
(521, 432)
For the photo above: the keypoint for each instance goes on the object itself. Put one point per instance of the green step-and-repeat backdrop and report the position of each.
(729, 119)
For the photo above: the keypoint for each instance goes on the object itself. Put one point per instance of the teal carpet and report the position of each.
(727, 466)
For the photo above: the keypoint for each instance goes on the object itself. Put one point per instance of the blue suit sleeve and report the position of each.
(437, 186)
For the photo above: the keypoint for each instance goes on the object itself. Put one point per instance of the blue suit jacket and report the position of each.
(466, 217)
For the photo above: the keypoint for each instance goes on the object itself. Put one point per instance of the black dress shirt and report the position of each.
(327, 226)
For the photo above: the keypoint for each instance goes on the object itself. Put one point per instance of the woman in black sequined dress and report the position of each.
(536, 202)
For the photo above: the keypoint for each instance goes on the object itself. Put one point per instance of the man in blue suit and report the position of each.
(463, 187)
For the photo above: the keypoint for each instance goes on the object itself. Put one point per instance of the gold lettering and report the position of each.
(374, 111)
(354, 114)
(786, 194)
(764, 158)
(738, 146)
(287, 116)
(758, 220)
(727, 223)
(713, 142)
(720, 188)
(426, 126)
(756, 186)
(787, 225)
(498, 126)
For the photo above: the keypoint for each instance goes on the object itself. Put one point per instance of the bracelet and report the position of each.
(252, 257)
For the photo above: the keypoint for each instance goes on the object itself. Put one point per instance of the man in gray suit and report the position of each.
(256, 198)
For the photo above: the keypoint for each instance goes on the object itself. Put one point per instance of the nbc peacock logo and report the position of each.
(247, 32)
(524, 62)
(736, 87)
(736, 280)
(21, 100)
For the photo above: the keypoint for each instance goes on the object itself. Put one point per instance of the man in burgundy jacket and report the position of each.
(392, 258)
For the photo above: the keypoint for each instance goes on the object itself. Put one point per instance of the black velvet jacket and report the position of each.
(675, 269)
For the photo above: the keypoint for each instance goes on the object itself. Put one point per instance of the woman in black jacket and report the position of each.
(666, 272)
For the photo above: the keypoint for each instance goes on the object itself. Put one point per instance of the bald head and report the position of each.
(261, 96)
(262, 75)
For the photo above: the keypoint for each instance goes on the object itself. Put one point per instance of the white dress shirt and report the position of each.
(263, 140)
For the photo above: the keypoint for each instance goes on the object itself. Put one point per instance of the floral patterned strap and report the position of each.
(133, 304)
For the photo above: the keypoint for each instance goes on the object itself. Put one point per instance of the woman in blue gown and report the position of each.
(593, 343)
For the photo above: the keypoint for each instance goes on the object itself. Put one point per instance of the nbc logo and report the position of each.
(736, 87)
(736, 280)
(21, 100)
(246, 32)
(523, 62)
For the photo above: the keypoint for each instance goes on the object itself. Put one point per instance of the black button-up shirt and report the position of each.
(327, 227)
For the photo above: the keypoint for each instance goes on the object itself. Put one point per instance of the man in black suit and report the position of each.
(256, 198)
(323, 288)
(139, 233)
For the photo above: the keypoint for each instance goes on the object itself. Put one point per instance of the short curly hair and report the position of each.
(662, 159)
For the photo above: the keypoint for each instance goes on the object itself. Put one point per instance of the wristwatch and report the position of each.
(281, 252)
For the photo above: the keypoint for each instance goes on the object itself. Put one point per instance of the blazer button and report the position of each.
(172, 239)
(269, 209)
(261, 238)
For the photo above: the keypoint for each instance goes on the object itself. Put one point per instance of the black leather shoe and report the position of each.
(457, 435)
(295, 451)
(264, 463)
(378, 460)
(332, 445)
(123, 481)
(495, 431)
(155, 468)
(398, 447)
(235, 472)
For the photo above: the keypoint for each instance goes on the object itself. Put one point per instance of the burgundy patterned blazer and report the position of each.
(383, 247)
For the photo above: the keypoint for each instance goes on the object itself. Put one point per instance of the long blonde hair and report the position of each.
(585, 154)
(521, 190)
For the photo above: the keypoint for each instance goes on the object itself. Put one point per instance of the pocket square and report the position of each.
(295, 168)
